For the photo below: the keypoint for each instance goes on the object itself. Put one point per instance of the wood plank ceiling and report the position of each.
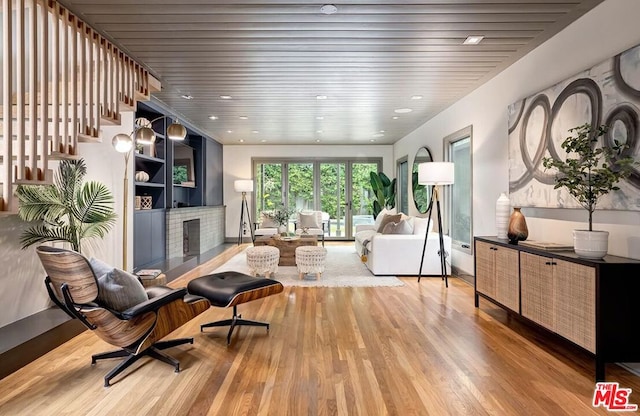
(273, 58)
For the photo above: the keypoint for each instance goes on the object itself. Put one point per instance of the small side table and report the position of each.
(159, 280)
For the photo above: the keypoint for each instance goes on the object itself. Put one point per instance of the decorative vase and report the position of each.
(142, 176)
(503, 206)
(518, 230)
(282, 229)
(591, 244)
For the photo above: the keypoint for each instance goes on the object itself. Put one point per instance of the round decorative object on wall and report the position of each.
(503, 206)
(518, 230)
(142, 176)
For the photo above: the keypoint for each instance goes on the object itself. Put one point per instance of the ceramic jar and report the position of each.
(503, 207)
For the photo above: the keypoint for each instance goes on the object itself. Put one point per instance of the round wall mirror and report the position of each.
(421, 193)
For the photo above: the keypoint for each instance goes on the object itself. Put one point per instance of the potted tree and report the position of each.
(588, 173)
(68, 210)
(281, 216)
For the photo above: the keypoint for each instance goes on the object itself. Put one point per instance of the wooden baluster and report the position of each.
(32, 151)
(55, 79)
(64, 99)
(44, 91)
(75, 123)
(20, 92)
(7, 112)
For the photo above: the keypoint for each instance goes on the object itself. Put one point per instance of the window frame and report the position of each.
(448, 142)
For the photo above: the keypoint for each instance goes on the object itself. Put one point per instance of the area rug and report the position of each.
(343, 269)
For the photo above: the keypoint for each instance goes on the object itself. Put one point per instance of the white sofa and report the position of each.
(399, 254)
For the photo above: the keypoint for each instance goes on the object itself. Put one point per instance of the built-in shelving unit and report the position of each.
(194, 184)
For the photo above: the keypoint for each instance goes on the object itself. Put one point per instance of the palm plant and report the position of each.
(68, 210)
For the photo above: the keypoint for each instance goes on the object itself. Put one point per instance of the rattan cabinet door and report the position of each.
(537, 299)
(507, 269)
(575, 300)
(485, 269)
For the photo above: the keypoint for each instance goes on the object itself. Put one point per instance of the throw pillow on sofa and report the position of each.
(402, 227)
(420, 225)
(381, 215)
(387, 219)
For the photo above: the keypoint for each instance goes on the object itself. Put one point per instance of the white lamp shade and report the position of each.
(243, 185)
(435, 173)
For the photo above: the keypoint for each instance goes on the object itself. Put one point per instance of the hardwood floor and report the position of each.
(420, 349)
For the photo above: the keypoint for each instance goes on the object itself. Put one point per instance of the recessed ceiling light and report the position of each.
(321, 97)
(395, 117)
(229, 131)
(213, 117)
(328, 9)
(255, 131)
(372, 140)
(416, 97)
(318, 131)
(382, 131)
(317, 140)
(241, 140)
(263, 140)
(226, 97)
(378, 135)
(320, 118)
(243, 117)
(473, 40)
(187, 97)
(403, 110)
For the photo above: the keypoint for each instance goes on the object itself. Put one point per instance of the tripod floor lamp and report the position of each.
(244, 186)
(435, 174)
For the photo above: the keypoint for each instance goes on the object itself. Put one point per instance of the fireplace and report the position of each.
(191, 237)
(211, 233)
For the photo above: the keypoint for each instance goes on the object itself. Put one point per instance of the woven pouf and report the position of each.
(310, 260)
(263, 260)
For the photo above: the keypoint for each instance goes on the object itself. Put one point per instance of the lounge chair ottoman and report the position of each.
(231, 289)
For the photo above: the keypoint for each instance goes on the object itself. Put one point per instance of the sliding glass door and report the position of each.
(333, 197)
(338, 188)
(361, 202)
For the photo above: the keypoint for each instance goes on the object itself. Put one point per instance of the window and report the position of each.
(458, 197)
(402, 173)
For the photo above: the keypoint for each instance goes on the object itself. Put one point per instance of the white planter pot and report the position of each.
(591, 244)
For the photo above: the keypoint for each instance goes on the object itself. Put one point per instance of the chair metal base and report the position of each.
(154, 352)
(236, 320)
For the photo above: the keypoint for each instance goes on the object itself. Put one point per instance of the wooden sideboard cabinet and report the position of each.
(497, 274)
(592, 303)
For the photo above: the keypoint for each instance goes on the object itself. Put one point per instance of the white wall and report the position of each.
(21, 276)
(237, 165)
(600, 34)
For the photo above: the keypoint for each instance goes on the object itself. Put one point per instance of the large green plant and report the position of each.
(384, 191)
(594, 171)
(68, 210)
